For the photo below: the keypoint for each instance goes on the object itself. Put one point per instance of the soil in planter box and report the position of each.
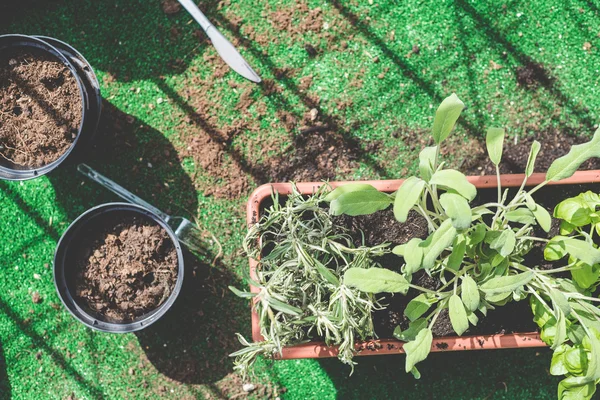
(127, 267)
(40, 108)
(512, 317)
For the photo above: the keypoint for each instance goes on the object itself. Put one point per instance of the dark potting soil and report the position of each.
(40, 108)
(512, 317)
(127, 267)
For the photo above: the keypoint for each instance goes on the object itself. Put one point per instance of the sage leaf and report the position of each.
(543, 218)
(504, 242)
(555, 249)
(560, 334)
(413, 330)
(560, 300)
(477, 235)
(565, 166)
(455, 180)
(469, 293)
(457, 208)
(363, 202)
(458, 315)
(521, 215)
(458, 253)
(582, 250)
(427, 162)
(347, 188)
(418, 349)
(418, 306)
(375, 280)
(413, 256)
(494, 140)
(445, 117)
(438, 242)
(407, 196)
(473, 318)
(506, 284)
(535, 149)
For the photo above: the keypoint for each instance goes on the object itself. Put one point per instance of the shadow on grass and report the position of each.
(514, 374)
(5, 388)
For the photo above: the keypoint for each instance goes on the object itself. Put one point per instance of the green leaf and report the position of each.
(574, 210)
(458, 315)
(239, 293)
(457, 208)
(473, 319)
(582, 250)
(575, 360)
(506, 284)
(504, 242)
(565, 166)
(326, 273)
(364, 202)
(347, 188)
(454, 180)
(427, 162)
(418, 349)
(521, 215)
(576, 392)
(407, 196)
(375, 280)
(535, 149)
(445, 117)
(555, 249)
(418, 306)
(399, 250)
(413, 330)
(438, 241)
(560, 334)
(543, 218)
(560, 300)
(413, 256)
(458, 253)
(557, 365)
(494, 140)
(283, 307)
(585, 275)
(477, 234)
(470, 293)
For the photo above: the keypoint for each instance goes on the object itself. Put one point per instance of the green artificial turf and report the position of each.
(379, 70)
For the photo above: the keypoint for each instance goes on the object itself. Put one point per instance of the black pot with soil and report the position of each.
(50, 105)
(118, 268)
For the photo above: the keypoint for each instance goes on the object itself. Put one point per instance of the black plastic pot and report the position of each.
(89, 90)
(67, 249)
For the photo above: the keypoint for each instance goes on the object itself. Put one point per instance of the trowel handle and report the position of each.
(195, 12)
(119, 190)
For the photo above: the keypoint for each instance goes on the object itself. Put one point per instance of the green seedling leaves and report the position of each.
(458, 315)
(503, 242)
(457, 208)
(427, 161)
(494, 140)
(535, 149)
(407, 196)
(521, 215)
(506, 284)
(350, 187)
(454, 180)
(363, 202)
(565, 166)
(470, 293)
(446, 116)
(418, 349)
(376, 280)
(413, 330)
(418, 306)
(438, 241)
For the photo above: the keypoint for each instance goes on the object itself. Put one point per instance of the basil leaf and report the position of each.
(494, 141)
(457, 208)
(469, 293)
(347, 188)
(375, 280)
(445, 117)
(574, 210)
(363, 202)
(557, 365)
(407, 196)
(585, 275)
(565, 166)
(457, 181)
(418, 349)
(458, 315)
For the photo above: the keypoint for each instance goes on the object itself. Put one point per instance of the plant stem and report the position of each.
(499, 187)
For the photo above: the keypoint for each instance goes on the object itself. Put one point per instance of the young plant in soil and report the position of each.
(302, 296)
(478, 254)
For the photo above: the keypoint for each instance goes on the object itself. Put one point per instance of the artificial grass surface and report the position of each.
(379, 68)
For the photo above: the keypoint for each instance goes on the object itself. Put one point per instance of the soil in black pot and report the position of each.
(127, 267)
(40, 108)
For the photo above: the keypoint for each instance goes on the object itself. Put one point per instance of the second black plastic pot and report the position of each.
(67, 249)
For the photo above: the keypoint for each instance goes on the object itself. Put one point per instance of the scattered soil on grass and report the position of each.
(170, 6)
(127, 267)
(554, 144)
(40, 108)
(532, 75)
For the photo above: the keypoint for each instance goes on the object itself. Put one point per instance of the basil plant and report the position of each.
(478, 253)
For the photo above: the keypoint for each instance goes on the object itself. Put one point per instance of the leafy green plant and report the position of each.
(301, 295)
(477, 252)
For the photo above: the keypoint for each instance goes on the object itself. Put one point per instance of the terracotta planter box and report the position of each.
(392, 346)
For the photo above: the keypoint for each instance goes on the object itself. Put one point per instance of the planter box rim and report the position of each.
(392, 346)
